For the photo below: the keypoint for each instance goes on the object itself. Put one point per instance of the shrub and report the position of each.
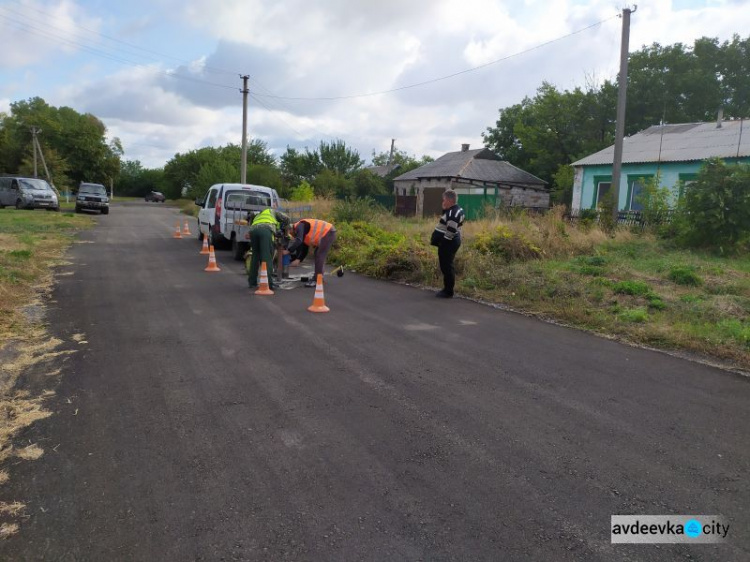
(503, 242)
(303, 192)
(636, 288)
(715, 209)
(355, 209)
(635, 315)
(684, 275)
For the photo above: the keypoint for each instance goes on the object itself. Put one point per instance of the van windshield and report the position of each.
(36, 184)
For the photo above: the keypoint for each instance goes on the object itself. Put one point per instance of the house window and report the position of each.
(602, 189)
(636, 187)
(686, 180)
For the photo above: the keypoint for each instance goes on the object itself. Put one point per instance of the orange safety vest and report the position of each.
(318, 229)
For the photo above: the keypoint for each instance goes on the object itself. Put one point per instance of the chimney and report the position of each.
(464, 148)
(720, 118)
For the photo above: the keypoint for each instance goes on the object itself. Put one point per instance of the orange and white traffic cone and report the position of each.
(264, 289)
(319, 302)
(204, 249)
(177, 233)
(186, 229)
(212, 266)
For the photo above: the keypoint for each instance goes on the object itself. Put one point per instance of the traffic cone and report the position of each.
(264, 289)
(186, 229)
(319, 302)
(212, 266)
(177, 233)
(204, 249)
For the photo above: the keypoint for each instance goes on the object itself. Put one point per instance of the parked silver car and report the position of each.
(27, 193)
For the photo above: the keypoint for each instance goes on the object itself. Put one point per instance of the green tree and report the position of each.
(715, 210)
(76, 142)
(329, 183)
(303, 192)
(336, 156)
(365, 184)
(297, 166)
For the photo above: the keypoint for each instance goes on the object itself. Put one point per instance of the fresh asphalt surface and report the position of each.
(200, 422)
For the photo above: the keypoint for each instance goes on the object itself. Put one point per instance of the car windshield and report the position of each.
(95, 189)
(38, 185)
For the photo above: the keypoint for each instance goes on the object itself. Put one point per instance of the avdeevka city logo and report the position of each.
(693, 528)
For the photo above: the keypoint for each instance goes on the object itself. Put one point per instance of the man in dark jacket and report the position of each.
(313, 233)
(447, 237)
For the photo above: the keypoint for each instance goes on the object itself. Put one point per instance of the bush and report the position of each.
(303, 192)
(636, 288)
(355, 209)
(715, 210)
(503, 242)
(636, 315)
(683, 275)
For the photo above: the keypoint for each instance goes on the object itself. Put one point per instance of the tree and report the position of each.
(367, 184)
(336, 156)
(76, 142)
(329, 183)
(297, 166)
(676, 84)
(715, 209)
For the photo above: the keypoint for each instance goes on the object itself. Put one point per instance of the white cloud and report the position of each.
(344, 47)
(36, 31)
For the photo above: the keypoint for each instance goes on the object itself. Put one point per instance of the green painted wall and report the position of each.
(670, 173)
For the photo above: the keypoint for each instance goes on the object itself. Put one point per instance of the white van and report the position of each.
(225, 204)
(27, 193)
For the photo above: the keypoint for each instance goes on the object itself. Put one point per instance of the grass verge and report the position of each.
(631, 286)
(31, 244)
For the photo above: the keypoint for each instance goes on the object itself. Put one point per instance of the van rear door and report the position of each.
(207, 213)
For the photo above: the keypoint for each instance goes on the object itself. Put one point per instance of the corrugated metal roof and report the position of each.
(479, 165)
(679, 143)
(382, 171)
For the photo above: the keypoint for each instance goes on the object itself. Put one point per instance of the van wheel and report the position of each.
(238, 249)
(19, 204)
(105, 211)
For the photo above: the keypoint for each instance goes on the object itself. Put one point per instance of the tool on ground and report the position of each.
(212, 265)
(186, 229)
(319, 302)
(339, 272)
(204, 249)
(177, 233)
(264, 289)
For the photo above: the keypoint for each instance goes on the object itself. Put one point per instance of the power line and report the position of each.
(446, 77)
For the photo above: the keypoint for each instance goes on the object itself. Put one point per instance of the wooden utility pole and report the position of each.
(34, 133)
(621, 98)
(243, 165)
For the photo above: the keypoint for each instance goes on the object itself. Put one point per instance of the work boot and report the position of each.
(444, 294)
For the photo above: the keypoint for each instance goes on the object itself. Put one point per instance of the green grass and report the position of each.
(632, 286)
(30, 243)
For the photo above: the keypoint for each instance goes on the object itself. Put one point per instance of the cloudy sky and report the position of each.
(164, 75)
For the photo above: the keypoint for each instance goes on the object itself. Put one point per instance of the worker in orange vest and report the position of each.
(313, 233)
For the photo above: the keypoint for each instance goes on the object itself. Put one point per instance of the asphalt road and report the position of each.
(200, 422)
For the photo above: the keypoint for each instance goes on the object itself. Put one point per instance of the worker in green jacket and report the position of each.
(262, 232)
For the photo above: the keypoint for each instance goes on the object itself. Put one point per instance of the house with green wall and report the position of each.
(673, 153)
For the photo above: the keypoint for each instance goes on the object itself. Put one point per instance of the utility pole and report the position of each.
(34, 133)
(243, 165)
(390, 156)
(621, 98)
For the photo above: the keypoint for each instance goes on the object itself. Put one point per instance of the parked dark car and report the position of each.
(156, 197)
(92, 196)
